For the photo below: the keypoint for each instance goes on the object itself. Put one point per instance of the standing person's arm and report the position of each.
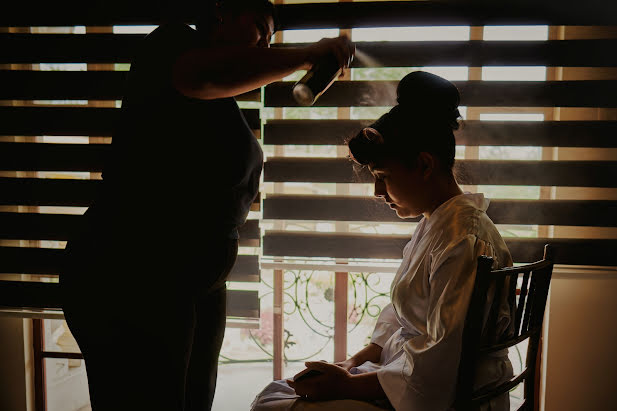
(210, 73)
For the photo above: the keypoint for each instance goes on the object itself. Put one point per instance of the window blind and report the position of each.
(577, 192)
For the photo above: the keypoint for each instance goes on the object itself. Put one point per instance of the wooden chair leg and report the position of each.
(40, 397)
(537, 377)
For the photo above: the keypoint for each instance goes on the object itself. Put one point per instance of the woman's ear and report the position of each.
(427, 163)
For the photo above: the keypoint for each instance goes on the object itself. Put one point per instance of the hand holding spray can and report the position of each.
(318, 79)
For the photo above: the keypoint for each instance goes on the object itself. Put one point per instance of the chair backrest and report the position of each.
(527, 304)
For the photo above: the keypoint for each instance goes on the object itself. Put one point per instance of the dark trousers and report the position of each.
(149, 321)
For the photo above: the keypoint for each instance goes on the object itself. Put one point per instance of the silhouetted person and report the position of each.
(145, 278)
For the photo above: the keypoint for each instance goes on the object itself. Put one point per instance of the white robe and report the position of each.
(420, 331)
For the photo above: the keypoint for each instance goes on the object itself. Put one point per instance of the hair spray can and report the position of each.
(316, 81)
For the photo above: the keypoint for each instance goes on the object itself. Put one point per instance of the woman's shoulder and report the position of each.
(462, 215)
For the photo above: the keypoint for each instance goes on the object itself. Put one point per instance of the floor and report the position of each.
(251, 378)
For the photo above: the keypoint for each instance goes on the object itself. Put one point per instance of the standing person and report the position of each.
(145, 278)
(411, 363)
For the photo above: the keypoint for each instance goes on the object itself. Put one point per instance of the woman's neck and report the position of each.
(442, 191)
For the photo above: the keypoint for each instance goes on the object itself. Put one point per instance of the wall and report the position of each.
(15, 365)
(580, 358)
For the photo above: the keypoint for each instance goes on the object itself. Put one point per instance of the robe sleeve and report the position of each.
(387, 324)
(424, 376)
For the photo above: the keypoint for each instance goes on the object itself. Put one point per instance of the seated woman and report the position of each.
(411, 363)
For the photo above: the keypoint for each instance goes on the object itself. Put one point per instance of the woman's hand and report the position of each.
(332, 384)
(341, 47)
(372, 352)
(347, 364)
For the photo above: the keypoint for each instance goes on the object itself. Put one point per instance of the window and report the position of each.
(318, 299)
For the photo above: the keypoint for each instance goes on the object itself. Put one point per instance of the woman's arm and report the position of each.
(210, 73)
(371, 352)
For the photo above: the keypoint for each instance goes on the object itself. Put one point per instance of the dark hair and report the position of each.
(210, 8)
(422, 121)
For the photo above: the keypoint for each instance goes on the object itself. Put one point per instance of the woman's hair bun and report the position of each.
(428, 95)
(423, 120)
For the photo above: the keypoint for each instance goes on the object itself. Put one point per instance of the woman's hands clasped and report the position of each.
(332, 383)
(348, 364)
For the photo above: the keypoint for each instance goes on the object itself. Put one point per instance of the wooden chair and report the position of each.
(529, 301)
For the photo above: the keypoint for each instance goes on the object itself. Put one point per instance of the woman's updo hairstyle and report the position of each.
(422, 121)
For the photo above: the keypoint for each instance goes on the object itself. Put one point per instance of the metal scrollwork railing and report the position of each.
(362, 287)
(309, 304)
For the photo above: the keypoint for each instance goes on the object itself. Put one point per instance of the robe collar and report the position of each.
(476, 200)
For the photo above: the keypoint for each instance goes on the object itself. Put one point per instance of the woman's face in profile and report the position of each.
(402, 187)
(248, 29)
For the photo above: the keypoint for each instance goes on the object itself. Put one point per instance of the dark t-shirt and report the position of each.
(192, 165)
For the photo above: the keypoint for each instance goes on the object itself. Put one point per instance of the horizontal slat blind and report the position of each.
(474, 133)
(38, 295)
(50, 192)
(502, 172)
(368, 246)
(119, 48)
(318, 15)
(73, 121)
(68, 85)
(36, 226)
(476, 53)
(590, 93)
(346, 208)
(575, 202)
(34, 260)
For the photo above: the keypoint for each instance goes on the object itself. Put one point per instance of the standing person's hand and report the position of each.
(341, 47)
(332, 383)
